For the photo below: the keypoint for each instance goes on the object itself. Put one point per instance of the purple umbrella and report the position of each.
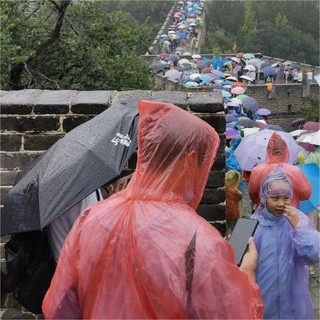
(230, 118)
(250, 104)
(218, 73)
(231, 133)
(263, 112)
(252, 149)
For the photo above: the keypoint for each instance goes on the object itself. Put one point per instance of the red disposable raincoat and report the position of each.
(278, 152)
(144, 252)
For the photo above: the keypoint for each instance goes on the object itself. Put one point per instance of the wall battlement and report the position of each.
(32, 120)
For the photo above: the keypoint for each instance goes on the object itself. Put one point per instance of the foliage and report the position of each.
(94, 50)
(282, 29)
(311, 110)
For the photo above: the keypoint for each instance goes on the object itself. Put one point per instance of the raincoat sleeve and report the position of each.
(306, 240)
(61, 300)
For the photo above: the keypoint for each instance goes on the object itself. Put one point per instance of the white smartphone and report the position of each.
(243, 230)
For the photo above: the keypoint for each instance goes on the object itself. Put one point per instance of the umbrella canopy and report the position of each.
(231, 118)
(75, 166)
(268, 71)
(263, 112)
(238, 90)
(311, 137)
(298, 132)
(250, 104)
(173, 74)
(218, 73)
(238, 84)
(231, 133)
(311, 125)
(231, 78)
(312, 172)
(252, 149)
(249, 67)
(247, 131)
(317, 78)
(246, 78)
(248, 56)
(298, 122)
(226, 94)
(242, 96)
(246, 122)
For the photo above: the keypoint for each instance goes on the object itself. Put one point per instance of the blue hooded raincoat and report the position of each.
(284, 255)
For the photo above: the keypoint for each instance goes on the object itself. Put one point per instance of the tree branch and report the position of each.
(16, 71)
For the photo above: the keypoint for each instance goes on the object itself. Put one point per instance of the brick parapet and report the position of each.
(32, 120)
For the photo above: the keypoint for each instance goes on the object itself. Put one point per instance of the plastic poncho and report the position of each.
(144, 252)
(278, 153)
(231, 161)
(233, 196)
(284, 255)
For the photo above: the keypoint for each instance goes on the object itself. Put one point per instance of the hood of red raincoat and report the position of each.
(277, 150)
(176, 151)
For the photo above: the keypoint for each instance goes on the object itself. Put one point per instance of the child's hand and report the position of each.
(291, 215)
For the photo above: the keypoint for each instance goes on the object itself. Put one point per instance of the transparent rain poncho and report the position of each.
(278, 152)
(144, 252)
(284, 254)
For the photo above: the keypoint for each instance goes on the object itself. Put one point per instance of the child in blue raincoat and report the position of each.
(287, 244)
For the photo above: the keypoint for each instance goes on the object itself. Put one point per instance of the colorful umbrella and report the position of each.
(250, 104)
(311, 171)
(298, 122)
(252, 149)
(298, 132)
(311, 137)
(249, 67)
(263, 112)
(231, 118)
(238, 90)
(246, 122)
(231, 133)
(311, 125)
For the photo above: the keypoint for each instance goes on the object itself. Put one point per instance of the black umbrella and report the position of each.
(83, 160)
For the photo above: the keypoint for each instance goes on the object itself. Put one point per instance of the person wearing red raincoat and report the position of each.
(144, 252)
(278, 152)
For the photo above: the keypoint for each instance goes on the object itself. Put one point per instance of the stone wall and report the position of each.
(32, 120)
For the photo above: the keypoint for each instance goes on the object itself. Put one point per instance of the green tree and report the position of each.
(248, 30)
(52, 44)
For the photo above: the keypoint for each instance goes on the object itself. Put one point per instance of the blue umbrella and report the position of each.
(218, 73)
(250, 104)
(206, 79)
(268, 71)
(312, 172)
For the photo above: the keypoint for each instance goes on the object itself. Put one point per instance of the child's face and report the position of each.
(276, 204)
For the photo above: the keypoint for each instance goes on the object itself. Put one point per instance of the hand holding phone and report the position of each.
(243, 230)
(250, 260)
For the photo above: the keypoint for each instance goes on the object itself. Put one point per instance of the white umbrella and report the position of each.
(173, 74)
(246, 78)
(296, 133)
(312, 138)
(249, 67)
